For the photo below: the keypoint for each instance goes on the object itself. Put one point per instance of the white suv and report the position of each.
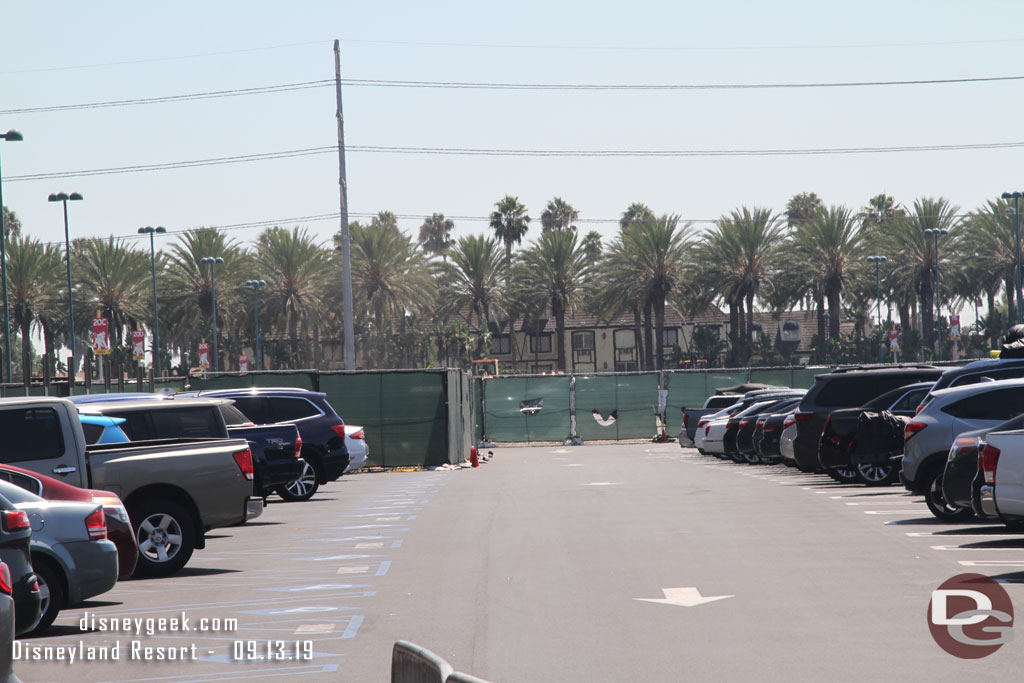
(946, 414)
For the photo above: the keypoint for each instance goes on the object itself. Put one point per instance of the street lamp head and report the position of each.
(75, 196)
(211, 259)
(57, 197)
(160, 229)
(148, 230)
(12, 136)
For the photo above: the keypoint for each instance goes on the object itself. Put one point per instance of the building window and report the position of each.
(501, 344)
(670, 338)
(791, 331)
(541, 344)
(755, 332)
(583, 341)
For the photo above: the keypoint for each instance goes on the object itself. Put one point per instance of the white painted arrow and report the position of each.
(684, 597)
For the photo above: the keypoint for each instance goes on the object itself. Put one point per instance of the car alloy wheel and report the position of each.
(160, 537)
(305, 486)
(877, 474)
(843, 475)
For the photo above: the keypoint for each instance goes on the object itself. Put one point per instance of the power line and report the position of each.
(213, 94)
(666, 86)
(495, 152)
(472, 85)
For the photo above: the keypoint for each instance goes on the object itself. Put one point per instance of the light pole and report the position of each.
(256, 286)
(1015, 196)
(213, 260)
(878, 260)
(64, 198)
(156, 311)
(937, 233)
(827, 341)
(9, 136)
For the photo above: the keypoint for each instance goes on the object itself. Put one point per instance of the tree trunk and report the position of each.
(648, 341)
(26, 355)
(834, 313)
(659, 330)
(819, 307)
(1011, 309)
(750, 327)
(990, 332)
(928, 314)
(637, 336)
(559, 311)
(733, 336)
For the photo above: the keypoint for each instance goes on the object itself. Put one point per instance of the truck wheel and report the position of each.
(51, 593)
(305, 486)
(937, 503)
(166, 535)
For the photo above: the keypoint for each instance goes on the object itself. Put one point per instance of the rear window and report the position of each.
(851, 391)
(195, 422)
(252, 407)
(26, 482)
(910, 400)
(234, 417)
(720, 401)
(1006, 373)
(1001, 404)
(30, 434)
(16, 494)
(93, 433)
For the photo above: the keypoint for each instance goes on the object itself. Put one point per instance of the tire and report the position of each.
(166, 534)
(877, 475)
(306, 486)
(51, 592)
(937, 503)
(752, 458)
(846, 475)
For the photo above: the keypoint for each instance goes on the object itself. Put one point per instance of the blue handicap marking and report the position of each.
(304, 609)
(317, 587)
(332, 557)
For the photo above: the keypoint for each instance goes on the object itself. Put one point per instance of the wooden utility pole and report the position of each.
(346, 262)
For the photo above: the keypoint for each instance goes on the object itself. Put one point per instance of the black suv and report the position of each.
(846, 388)
(321, 430)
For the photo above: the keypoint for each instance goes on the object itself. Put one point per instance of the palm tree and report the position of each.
(636, 213)
(116, 279)
(556, 266)
(475, 277)
(435, 235)
(32, 268)
(186, 296)
(915, 253)
(832, 244)
(803, 207)
(660, 248)
(510, 222)
(739, 255)
(591, 245)
(390, 278)
(559, 215)
(296, 268)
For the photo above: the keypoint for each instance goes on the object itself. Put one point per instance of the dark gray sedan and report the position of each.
(70, 551)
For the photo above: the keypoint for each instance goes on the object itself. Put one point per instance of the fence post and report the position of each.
(574, 438)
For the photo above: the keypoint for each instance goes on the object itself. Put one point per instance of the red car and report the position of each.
(119, 526)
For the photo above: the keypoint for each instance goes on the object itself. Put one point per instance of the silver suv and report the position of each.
(947, 414)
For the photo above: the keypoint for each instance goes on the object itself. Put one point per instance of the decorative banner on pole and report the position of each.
(100, 336)
(138, 345)
(954, 327)
(204, 356)
(894, 340)
(243, 364)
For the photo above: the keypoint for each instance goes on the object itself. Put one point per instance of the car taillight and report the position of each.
(912, 428)
(788, 422)
(686, 419)
(988, 459)
(918, 409)
(357, 435)
(707, 429)
(703, 423)
(96, 523)
(244, 461)
(339, 430)
(770, 428)
(112, 507)
(744, 423)
(15, 520)
(802, 417)
(298, 447)
(731, 424)
(5, 579)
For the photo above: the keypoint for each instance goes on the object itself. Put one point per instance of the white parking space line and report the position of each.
(942, 534)
(992, 563)
(314, 628)
(891, 512)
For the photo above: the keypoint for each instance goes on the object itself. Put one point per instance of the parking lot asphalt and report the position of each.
(590, 563)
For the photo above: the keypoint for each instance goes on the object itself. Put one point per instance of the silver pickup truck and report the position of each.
(175, 489)
(999, 484)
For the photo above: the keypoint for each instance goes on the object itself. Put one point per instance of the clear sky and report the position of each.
(62, 53)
